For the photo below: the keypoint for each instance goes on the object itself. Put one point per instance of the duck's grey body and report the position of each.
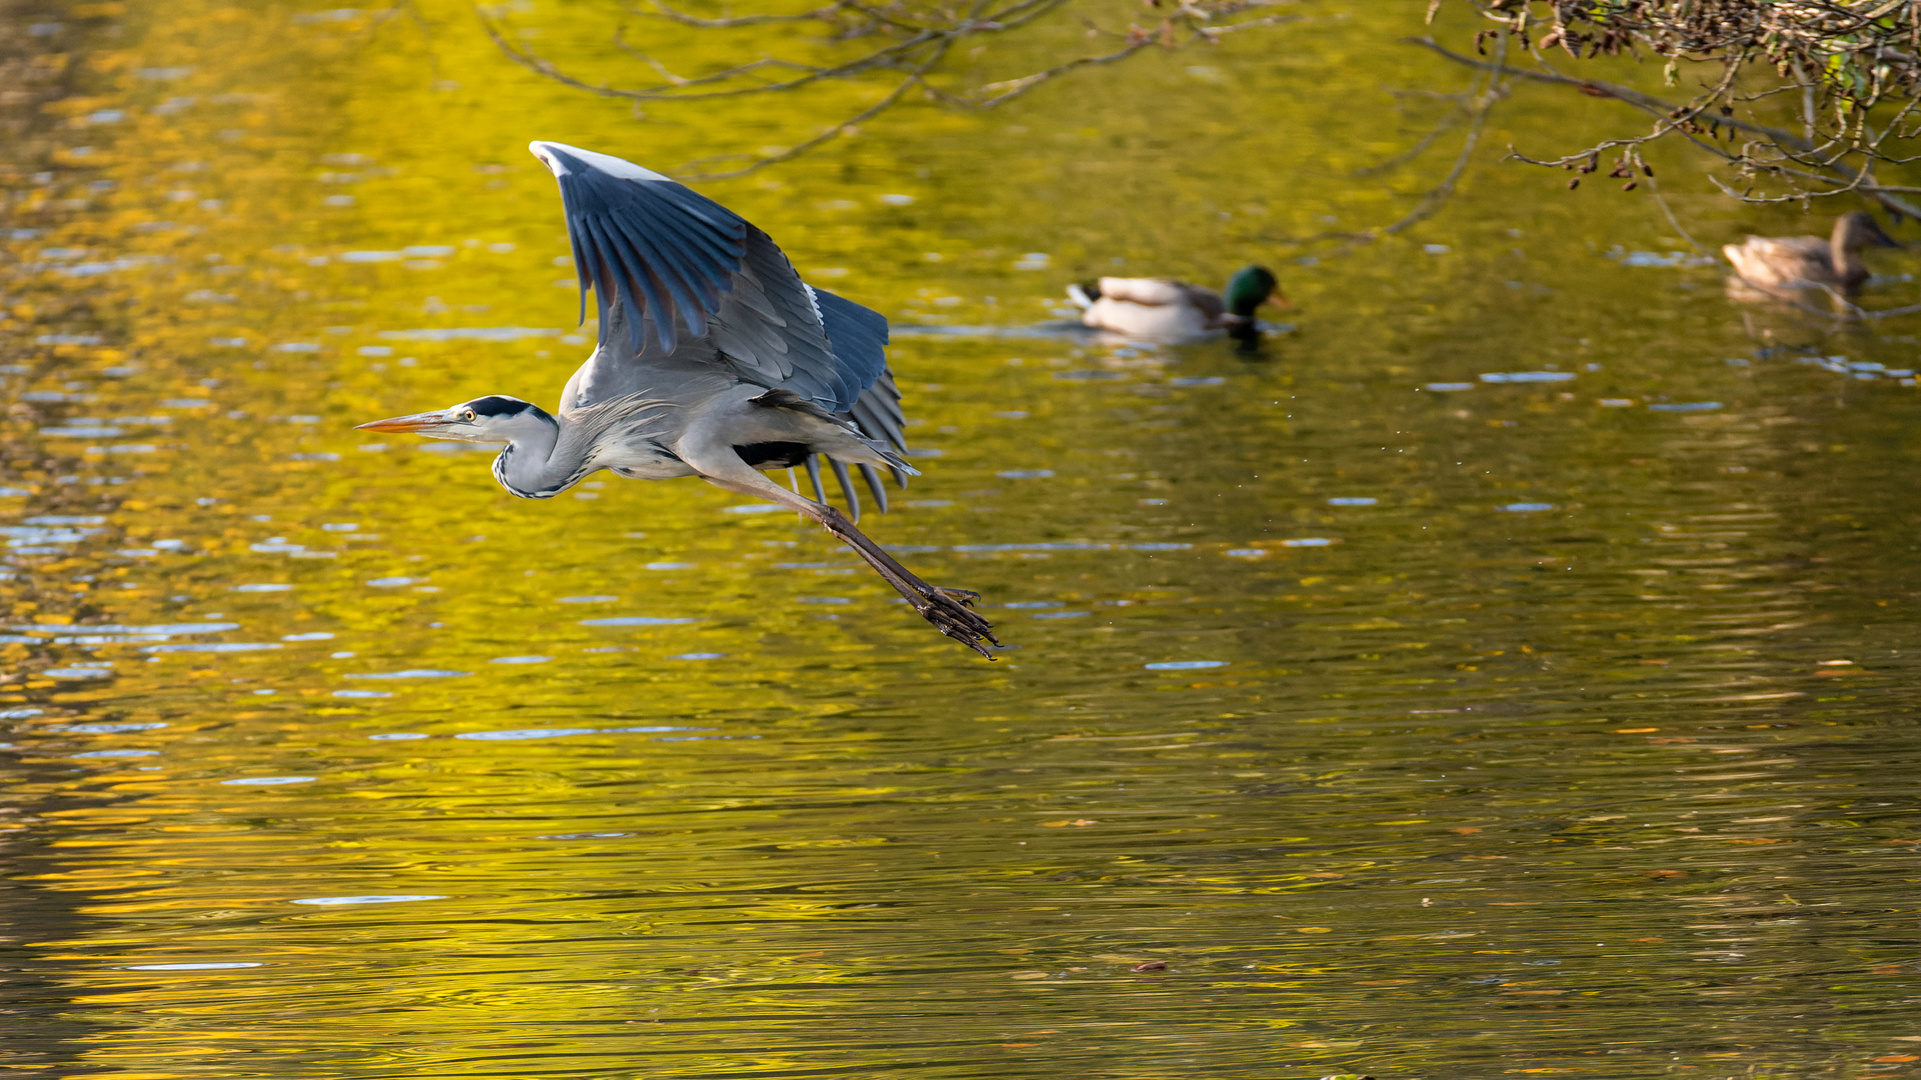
(1151, 309)
(1174, 312)
(714, 360)
(1795, 266)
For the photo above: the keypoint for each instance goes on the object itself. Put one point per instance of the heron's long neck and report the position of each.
(529, 468)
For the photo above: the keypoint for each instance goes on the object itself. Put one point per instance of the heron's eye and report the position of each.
(468, 416)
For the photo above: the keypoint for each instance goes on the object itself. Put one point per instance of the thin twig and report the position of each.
(831, 133)
(1654, 190)
(1013, 88)
(1431, 202)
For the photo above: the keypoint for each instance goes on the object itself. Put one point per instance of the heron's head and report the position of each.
(495, 419)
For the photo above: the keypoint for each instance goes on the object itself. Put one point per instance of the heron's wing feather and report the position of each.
(681, 282)
(859, 337)
(659, 252)
(771, 328)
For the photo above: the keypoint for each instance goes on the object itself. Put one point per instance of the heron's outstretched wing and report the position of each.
(858, 337)
(681, 281)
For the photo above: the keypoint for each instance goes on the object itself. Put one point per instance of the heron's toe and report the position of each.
(948, 610)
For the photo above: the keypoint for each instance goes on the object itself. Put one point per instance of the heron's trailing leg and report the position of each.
(950, 610)
(947, 609)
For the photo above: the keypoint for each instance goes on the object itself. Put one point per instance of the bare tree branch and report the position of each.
(916, 38)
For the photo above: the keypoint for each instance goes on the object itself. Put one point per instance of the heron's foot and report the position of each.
(952, 613)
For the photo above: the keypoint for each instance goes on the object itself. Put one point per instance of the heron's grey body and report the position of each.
(714, 360)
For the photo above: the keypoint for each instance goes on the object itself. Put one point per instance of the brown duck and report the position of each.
(1795, 266)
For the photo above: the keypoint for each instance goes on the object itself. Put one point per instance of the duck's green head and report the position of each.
(1248, 289)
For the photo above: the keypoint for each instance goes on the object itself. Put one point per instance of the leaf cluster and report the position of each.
(1803, 98)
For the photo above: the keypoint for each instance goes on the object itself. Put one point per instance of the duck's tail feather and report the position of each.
(1083, 294)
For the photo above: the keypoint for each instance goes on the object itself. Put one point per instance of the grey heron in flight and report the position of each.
(714, 360)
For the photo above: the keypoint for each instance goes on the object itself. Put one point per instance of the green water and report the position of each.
(1586, 747)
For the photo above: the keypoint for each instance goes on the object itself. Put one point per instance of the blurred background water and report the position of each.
(1513, 670)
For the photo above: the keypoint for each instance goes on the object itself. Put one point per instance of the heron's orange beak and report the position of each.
(416, 423)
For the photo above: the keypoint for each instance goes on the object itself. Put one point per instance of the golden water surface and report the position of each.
(1560, 724)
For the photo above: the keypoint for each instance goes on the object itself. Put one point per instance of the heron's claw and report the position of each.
(952, 613)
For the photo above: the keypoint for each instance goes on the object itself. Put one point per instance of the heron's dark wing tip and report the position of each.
(653, 247)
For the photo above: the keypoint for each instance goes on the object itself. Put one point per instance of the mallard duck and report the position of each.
(1165, 310)
(1792, 266)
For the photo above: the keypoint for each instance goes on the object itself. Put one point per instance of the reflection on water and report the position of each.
(1511, 670)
